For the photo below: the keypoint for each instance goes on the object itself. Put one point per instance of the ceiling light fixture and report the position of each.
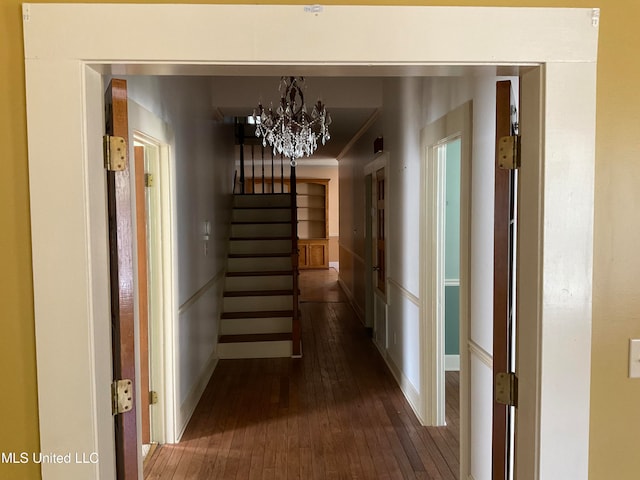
(290, 130)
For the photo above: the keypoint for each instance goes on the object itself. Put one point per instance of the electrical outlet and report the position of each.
(634, 358)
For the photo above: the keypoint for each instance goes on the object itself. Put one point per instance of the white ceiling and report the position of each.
(351, 101)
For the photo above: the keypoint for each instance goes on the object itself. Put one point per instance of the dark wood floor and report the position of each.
(337, 413)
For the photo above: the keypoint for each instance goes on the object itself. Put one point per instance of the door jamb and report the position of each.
(159, 135)
(455, 124)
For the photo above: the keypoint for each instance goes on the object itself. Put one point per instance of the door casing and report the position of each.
(157, 137)
(556, 50)
(455, 124)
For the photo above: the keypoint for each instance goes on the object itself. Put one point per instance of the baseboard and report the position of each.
(359, 312)
(452, 363)
(335, 266)
(407, 388)
(189, 405)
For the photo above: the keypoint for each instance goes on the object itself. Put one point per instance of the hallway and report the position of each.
(335, 413)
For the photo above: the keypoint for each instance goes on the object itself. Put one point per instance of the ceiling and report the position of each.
(352, 103)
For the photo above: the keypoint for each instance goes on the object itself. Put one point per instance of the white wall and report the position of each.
(409, 105)
(203, 156)
(441, 95)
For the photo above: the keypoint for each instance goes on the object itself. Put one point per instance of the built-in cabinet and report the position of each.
(313, 225)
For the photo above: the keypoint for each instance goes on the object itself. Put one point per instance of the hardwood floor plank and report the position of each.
(337, 413)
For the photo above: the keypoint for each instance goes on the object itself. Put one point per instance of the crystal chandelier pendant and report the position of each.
(290, 130)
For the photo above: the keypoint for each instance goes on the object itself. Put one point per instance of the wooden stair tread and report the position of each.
(259, 255)
(262, 208)
(269, 273)
(257, 293)
(288, 237)
(257, 314)
(258, 194)
(255, 337)
(264, 222)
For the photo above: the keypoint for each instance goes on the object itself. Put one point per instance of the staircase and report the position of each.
(260, 307)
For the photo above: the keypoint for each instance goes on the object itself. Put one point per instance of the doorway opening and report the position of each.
(155, 270)
(560, 45)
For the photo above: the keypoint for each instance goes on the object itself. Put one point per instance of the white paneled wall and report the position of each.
(409, 105)
(204, 161)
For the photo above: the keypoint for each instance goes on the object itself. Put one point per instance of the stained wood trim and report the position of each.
(143, 291)
(121, 275)
(501, 274)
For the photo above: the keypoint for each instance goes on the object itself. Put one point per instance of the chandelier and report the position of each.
(290, 130)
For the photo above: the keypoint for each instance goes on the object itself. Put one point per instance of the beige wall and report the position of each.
(615, 417)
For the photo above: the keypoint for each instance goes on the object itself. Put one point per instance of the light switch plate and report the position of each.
(634, 358)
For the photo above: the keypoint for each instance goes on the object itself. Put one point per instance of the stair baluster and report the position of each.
(295, 327)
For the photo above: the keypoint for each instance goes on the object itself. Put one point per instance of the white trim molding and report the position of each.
(452, 363)
(64, 139)
(480, 353)
(404, 292)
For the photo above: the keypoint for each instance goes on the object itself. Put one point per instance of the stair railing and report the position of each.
(257, 175)
(295, 322)
(295, 254)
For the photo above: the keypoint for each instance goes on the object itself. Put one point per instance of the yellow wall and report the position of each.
(615, 416)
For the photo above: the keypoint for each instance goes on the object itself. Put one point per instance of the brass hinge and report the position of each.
(121, 396)
(148, 179)
(507, 389)
(115, 153)
(153, 397)
(509, 152)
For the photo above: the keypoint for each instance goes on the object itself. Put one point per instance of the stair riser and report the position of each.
(260, 246)
(271, 282)
(262, 200)
(261, 230)
(246, 326)
(258, 264)
(258, 303)
(255, 349)
(261, 215)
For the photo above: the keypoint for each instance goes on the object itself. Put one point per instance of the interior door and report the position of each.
(121, 272)
(503, 288)
(379, 260)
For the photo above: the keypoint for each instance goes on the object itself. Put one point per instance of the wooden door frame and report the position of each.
(124, 352)
(502, 283)
(142, 290)
(153, 132)
(560, 45)
(455, 124)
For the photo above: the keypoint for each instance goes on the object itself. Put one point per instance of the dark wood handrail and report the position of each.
(295, 323)
(241, 141)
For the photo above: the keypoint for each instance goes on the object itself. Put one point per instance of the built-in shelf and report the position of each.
(313, 227)
(312, 199)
